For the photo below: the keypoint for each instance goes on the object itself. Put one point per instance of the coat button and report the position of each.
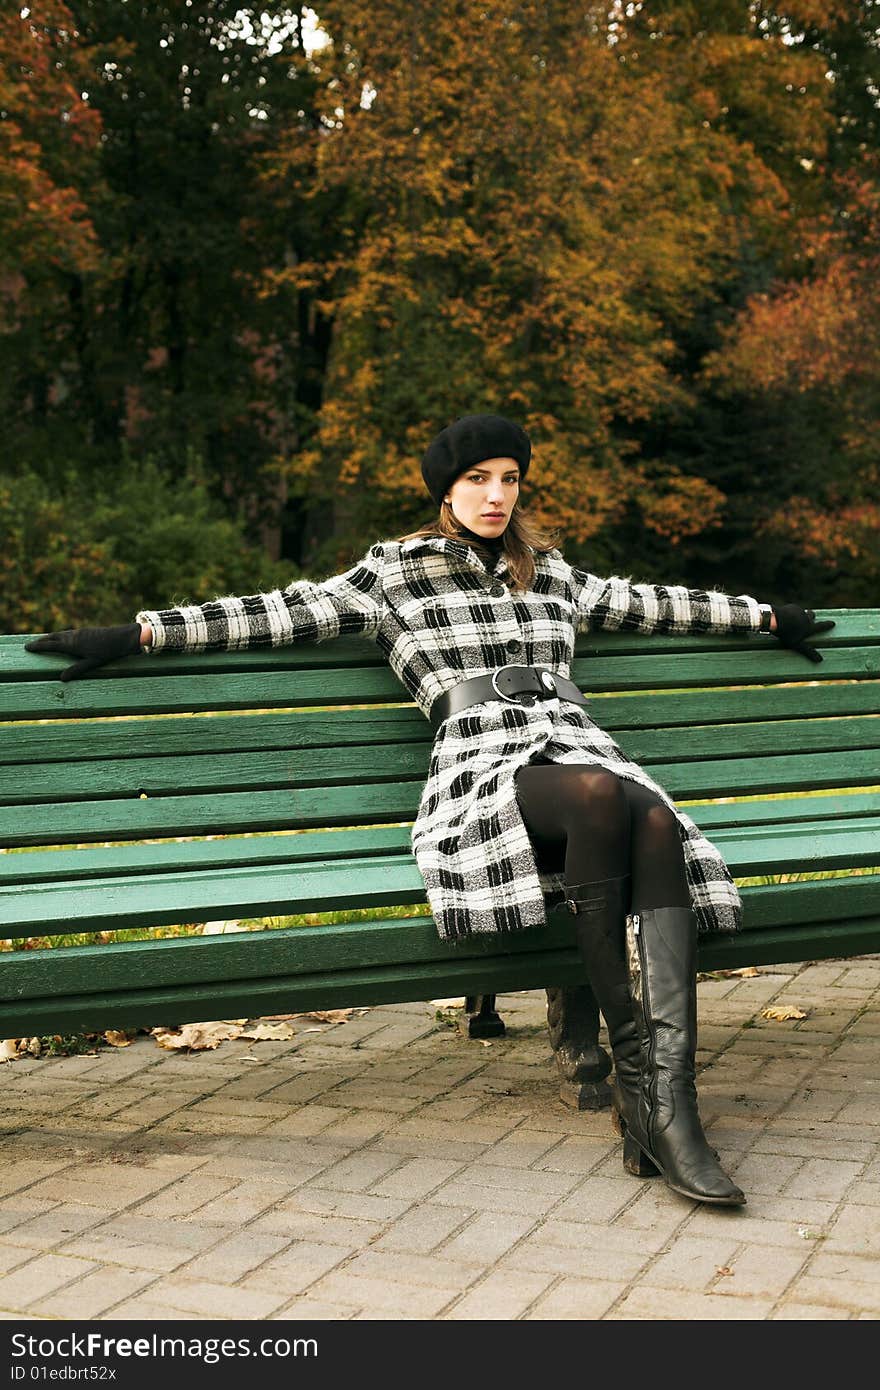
(497, 591)
(514, 645)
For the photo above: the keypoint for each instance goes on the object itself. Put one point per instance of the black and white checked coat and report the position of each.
(439, 615)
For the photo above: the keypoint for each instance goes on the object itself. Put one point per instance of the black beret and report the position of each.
(468, 441)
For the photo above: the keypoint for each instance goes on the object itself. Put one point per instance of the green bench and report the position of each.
(154, 793)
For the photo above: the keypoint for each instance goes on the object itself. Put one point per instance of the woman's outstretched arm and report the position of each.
(619, 605)
(305, 611)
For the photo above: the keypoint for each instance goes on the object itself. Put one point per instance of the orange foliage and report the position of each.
(538, 214)
(47, 134)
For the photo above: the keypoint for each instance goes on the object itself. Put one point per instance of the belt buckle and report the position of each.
(512, 699)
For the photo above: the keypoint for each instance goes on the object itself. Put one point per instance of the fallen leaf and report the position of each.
(116, 1038)
(724, 1269)
(780, 1013)
(221, 928)
(268, 1032)
(8, 1049)
(198, 1037)
(331, 1015)
(448, 1003)
(748, 972)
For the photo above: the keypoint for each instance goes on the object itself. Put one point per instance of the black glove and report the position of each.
(95, 646)
(794, 625)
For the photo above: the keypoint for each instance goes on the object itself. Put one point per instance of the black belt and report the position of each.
(519, 685)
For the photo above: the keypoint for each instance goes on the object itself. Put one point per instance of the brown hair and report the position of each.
(522, 537)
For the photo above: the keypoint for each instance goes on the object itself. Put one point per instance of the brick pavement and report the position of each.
(390, 1168)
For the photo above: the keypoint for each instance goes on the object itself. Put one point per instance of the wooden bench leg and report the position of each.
(483, 1022)
(573, 1023)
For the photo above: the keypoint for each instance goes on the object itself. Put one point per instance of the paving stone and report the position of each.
(835, 1264)
(92, 1296)
(693, 1262)
(186, 1195)
(106, 1185)
(230, 1259)
(646, 1303)
(39, 1276)
(363, 1206)
(293, 1270)
(358, 1126)
(851, 1295)
(825, 1178)
(307, 1120)
(808, 1312)
(17, 1174)
(423, 1227)
(379, 1295)
(415, 1178)
(766, 1173)
(433, 1271)
(53, 1227)
(576, 1300)
(359, 1171)
(856, 1229)
(598, 1199)
(502, 1295)
(142, 1242)
(761, 1272)
(209, 1300)
(11, 1256)
(487, 1237)
(314, 1310)
(294, 1224)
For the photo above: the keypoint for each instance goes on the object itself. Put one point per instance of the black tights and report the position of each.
(595, 825)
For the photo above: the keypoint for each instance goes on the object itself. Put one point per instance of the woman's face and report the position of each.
(482, 499)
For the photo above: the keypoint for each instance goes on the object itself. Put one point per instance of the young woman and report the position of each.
(477, 614)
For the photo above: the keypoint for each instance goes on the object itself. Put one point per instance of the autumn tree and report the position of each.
(552, 233)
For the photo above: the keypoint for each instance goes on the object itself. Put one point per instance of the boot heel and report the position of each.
(636, 1161)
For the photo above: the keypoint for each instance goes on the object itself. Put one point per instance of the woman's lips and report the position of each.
(493, 516)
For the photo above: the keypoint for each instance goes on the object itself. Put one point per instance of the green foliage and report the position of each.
(96, 549)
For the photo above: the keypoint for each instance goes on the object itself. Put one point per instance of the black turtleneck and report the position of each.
(488, 547)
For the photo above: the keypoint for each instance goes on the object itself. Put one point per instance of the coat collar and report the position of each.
(459, 550)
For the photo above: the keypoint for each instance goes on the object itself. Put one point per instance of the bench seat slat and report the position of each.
(303, 950)
(157, 692)
(302, 807)
(263, 770)
(764, 707)
(736, 820)
(147, 900)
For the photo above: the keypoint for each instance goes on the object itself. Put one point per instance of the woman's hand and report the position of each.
(794, 625)
(94, 646)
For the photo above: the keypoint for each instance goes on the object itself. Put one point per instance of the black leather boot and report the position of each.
(600, 909)
(665, 1129)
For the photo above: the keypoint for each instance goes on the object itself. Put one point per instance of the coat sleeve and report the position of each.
(303, 612)
(619, 605)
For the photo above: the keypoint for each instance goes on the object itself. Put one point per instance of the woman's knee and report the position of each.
(593, 792)
(659, 825)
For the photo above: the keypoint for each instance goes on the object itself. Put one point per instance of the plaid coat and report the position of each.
(439, 615)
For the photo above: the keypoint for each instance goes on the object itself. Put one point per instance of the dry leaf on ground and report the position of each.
(748, 972)
(448, 1003)
(116, 1038)
(268, 1032)
(197, 1037)
(331, 1015)
(8, 1049)
(781, 1013)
